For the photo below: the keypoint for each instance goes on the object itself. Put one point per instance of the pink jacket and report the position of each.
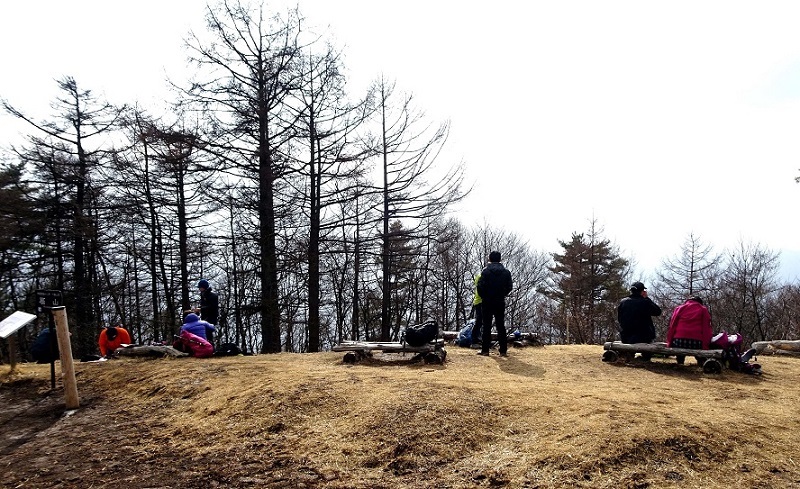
(691, 320)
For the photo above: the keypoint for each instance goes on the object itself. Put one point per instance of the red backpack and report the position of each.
(731, 345)
(724, 341)
(195, 345)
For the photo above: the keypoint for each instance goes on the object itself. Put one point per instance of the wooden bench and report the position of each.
(614, 349)
(432, 352)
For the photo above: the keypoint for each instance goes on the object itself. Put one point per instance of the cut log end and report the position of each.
(352, 357)
(610, 356)
(712, 366)
(435, 357)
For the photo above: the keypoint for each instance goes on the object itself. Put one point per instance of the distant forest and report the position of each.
(317, 215)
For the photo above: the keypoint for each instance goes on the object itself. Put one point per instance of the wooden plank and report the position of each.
(661, 348)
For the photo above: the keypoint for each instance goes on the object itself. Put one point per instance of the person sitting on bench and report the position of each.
(690, 327)
(635, 315)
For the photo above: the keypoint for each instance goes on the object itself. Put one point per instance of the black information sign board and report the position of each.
(47, 299)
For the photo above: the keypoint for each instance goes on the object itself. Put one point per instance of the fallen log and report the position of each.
(773, 351)
(790, 345)
(149, 351)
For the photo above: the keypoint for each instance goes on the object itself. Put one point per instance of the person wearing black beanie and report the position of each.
(493, 286)
(209, 304)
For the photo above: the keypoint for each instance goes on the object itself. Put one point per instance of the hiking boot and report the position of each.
(483, 353)
(503, 354)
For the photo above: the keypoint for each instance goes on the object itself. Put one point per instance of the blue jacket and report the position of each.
(196, 326)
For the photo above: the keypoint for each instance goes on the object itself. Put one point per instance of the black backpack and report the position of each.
(227, 350)
(421, 334)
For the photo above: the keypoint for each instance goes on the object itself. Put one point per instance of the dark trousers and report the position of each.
(476, 327)
(686, 343)
(496, 311)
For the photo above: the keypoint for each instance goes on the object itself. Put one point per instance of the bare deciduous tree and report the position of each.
(249, 70)
(412, 191)
(79, 135)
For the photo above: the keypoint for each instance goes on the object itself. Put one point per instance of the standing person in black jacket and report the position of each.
(209, 305)
(494, 285)
(635, 315)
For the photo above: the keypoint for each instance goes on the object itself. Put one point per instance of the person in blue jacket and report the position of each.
(197, 326)
(45, 347)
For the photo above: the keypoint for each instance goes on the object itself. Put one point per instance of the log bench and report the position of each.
(432, 352)
(713, 358)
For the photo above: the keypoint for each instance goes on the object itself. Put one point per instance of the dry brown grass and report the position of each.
(544, 417)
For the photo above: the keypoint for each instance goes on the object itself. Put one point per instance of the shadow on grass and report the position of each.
(513, 365)
(689, 371)
(383, 359)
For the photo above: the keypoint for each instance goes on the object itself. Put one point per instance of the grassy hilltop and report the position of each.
(544, 417)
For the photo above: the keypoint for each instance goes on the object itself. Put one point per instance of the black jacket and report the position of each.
(635, 314)
(209, 306)
(495, 283)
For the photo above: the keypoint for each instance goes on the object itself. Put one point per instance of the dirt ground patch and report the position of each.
(545, 417)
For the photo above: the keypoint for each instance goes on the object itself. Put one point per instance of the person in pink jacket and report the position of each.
(690, 327)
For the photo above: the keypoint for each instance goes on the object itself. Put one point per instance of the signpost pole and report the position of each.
(65, 351)
(52, 345)
(45, 300)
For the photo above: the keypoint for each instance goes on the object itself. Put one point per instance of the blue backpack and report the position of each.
(464, 337)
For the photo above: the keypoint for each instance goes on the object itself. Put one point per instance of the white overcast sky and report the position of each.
(656, 118)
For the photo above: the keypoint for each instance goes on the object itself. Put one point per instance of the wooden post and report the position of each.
(65, 352)
(12, 351)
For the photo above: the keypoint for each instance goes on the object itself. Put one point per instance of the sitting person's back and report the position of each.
(196, 326)
(45, 348)
(690, 325)
(634, 314)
